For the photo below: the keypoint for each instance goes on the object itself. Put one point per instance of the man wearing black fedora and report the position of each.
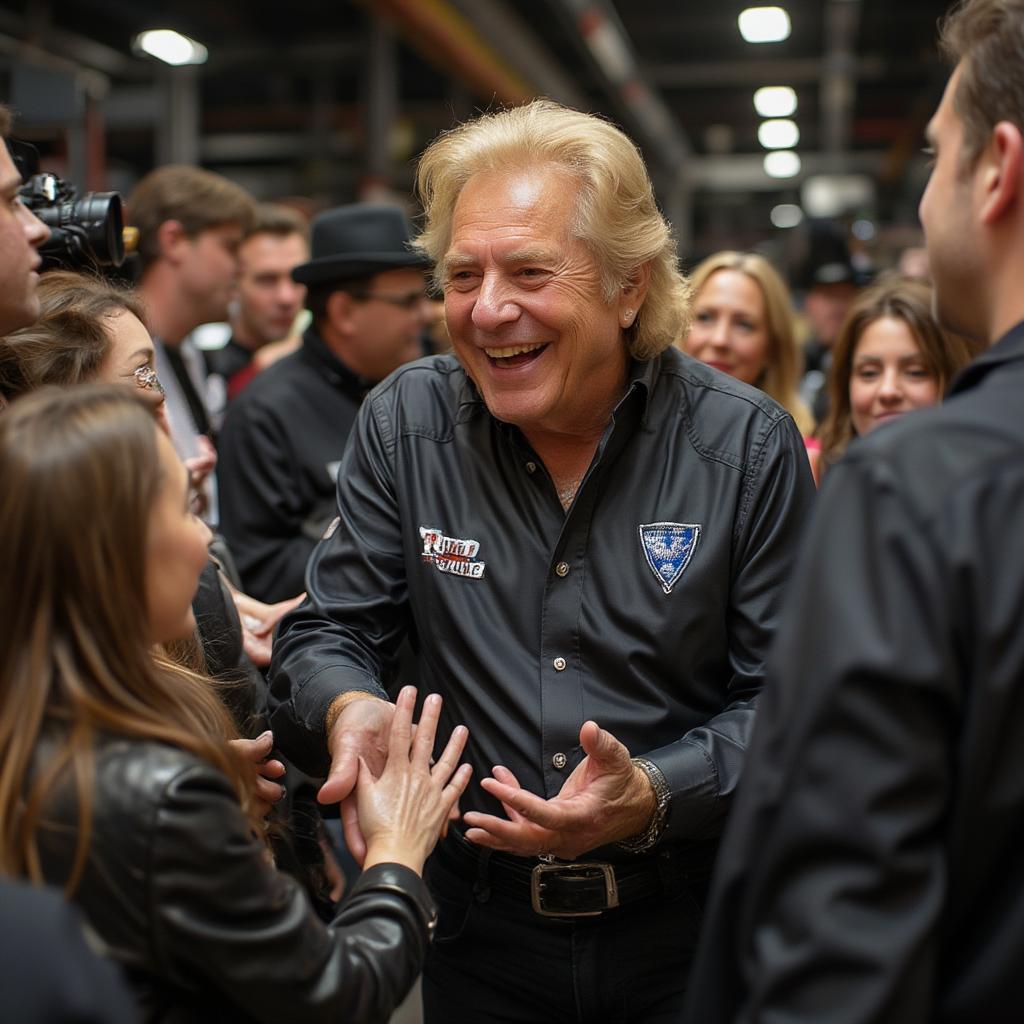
(284, 436)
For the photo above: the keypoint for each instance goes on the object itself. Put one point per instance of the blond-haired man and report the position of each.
(585, 533)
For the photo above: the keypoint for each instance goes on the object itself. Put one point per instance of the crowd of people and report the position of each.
(531, 664)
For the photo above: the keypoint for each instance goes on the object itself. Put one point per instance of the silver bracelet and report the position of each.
(643, 841)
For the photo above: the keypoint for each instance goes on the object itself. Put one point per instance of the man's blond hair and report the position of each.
(616, 213)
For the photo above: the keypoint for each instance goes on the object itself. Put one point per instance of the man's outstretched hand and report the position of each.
(605, 799)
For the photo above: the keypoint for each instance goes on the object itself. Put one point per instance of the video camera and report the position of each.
(83, 232)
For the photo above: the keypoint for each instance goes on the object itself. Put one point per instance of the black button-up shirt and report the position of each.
(648, 607)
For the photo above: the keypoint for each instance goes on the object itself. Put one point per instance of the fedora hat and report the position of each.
(356, 240)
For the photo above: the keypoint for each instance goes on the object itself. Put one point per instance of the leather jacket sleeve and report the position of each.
(704, 767)
(222, 912)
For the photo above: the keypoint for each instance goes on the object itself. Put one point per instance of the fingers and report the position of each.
(272, 769)
(341, 779)
(426, 730)
(602, 746)
(449, 759)
(354, 840)
(527, 805)
(495, 833)
(266, 791)
(400, 732)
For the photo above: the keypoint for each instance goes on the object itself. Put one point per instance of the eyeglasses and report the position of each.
(146, 378)
(406, 302)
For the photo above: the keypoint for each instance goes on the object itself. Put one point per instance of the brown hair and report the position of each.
(275, 219)
(782, 374)
(69, 341)
(901, 298)
(616, 216)
(81, 471)
(196, 198)
(984, 36)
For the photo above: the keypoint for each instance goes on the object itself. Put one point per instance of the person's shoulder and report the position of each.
(724, 417)
(967, 452)
(131, 773)
(425, 396)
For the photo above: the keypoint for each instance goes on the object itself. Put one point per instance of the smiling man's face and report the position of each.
(525, 308)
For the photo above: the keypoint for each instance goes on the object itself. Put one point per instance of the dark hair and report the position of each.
(69, 341)
(984, 38)
(901, 298)
(6, 121)
(196, 198)
(318, 294)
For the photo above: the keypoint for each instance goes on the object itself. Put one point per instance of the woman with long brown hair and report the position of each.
(115, 778)
(891, 357)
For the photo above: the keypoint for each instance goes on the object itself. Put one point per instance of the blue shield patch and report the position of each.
(668, 548)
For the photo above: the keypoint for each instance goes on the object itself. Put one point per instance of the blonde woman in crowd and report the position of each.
(743, 325)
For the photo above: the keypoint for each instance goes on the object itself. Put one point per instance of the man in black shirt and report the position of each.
(284, 436)
(586, 534)
(873, 870)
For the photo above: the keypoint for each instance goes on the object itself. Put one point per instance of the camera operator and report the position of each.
(21, 235)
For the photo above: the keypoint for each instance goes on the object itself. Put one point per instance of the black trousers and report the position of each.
(494, 959)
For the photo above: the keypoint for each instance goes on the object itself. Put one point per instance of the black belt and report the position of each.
(579, 888)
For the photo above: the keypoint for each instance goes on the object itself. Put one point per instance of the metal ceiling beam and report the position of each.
(595, 28)
(757, 72)
(449, 42)
(838, 80)
(505, 30)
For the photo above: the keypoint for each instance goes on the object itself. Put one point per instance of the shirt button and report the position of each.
(559, 664)
(531, 467)
(562, 569)
(559, 761)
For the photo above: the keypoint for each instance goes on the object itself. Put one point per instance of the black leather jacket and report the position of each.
(186, 899)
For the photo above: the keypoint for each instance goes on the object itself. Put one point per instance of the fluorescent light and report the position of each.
(775, 101)
(786, 215)
(171, 47)
(764, 24)
(778, 134)
(783, 163)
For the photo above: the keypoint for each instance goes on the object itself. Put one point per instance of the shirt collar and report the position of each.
(335, 370)
(1008, 349)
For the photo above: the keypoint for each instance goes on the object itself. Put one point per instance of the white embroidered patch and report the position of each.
(451, 554)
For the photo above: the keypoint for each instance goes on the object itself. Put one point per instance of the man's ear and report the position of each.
(339, 311)
(1001, 166)
(171, 240)
(634, 291)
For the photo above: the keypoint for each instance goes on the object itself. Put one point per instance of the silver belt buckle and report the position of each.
(537, 887)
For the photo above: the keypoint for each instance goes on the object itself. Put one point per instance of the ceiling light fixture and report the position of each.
(171, 47)
(783, 163)
(786, 215)
(778, 134)
(775, 101)
(764, 24)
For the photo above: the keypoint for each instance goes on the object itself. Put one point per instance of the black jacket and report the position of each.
(184, 897)
(278, 457)
(529, 620)
(874, 866)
